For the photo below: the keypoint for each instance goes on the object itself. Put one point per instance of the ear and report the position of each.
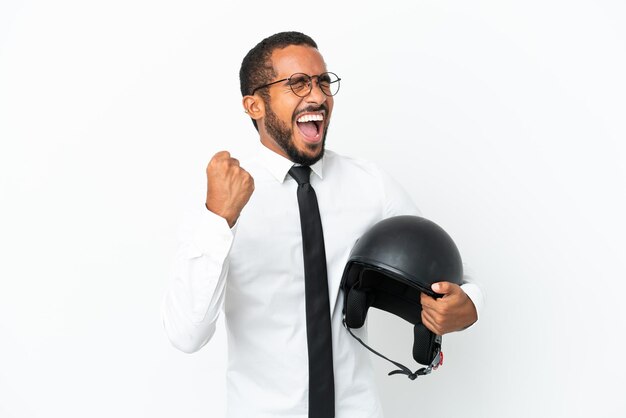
(254, 106)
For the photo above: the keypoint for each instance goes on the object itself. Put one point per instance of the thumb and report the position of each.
(443, 288)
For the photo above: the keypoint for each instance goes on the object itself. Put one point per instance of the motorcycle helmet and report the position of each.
(389, 266)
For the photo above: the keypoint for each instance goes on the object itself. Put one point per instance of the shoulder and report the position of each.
(338, 164)
(373, 179)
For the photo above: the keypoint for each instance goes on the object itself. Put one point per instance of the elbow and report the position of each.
(189, 341)
(185, 347)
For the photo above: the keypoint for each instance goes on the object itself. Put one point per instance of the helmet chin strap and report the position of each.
(437, 361)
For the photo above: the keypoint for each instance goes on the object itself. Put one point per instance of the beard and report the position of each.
(283, 135)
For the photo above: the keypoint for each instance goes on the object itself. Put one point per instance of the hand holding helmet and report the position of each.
(454, 311)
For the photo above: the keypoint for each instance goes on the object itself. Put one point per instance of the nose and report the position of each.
(316, 95)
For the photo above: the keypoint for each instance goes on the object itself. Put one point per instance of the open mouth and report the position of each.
(310, 126)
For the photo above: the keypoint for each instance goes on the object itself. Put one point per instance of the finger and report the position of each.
(435, 309)
(222, 155)
(430, 323)
(427, 302)
(218, 160)
(445, 288)
(436, 323)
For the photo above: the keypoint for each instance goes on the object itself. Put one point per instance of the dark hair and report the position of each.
(256, 67)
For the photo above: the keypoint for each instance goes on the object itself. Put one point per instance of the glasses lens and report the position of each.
(329, 83)
(300, 84)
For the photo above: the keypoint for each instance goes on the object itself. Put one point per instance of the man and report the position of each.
(243, 251)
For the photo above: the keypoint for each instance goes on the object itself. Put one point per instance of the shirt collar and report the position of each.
(279, 166)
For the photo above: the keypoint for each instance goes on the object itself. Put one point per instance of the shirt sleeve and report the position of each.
(398, 202)
(195, 294)
(473, 291)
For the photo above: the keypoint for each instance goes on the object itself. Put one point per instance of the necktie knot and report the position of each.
(301, 174)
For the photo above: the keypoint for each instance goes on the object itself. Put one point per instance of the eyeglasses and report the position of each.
(301, 84)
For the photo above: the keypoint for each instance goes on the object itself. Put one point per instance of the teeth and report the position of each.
(309, 118)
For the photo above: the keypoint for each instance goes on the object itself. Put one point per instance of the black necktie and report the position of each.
(321, 378)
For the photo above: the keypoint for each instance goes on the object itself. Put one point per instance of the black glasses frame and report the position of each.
(310, 77)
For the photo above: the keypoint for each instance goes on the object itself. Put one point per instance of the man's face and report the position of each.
(296, 127)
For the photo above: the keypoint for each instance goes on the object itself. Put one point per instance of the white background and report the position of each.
(504, 120)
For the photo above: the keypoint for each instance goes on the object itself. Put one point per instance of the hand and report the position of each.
(452, 312)
(229, 187)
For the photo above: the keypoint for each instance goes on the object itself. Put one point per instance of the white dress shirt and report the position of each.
(255, 274)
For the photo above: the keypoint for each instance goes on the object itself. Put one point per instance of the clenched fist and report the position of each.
(229, 187)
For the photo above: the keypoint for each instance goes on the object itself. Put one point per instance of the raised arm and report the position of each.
(195, 296)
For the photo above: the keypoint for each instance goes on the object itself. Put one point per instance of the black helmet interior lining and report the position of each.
(372, 290)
